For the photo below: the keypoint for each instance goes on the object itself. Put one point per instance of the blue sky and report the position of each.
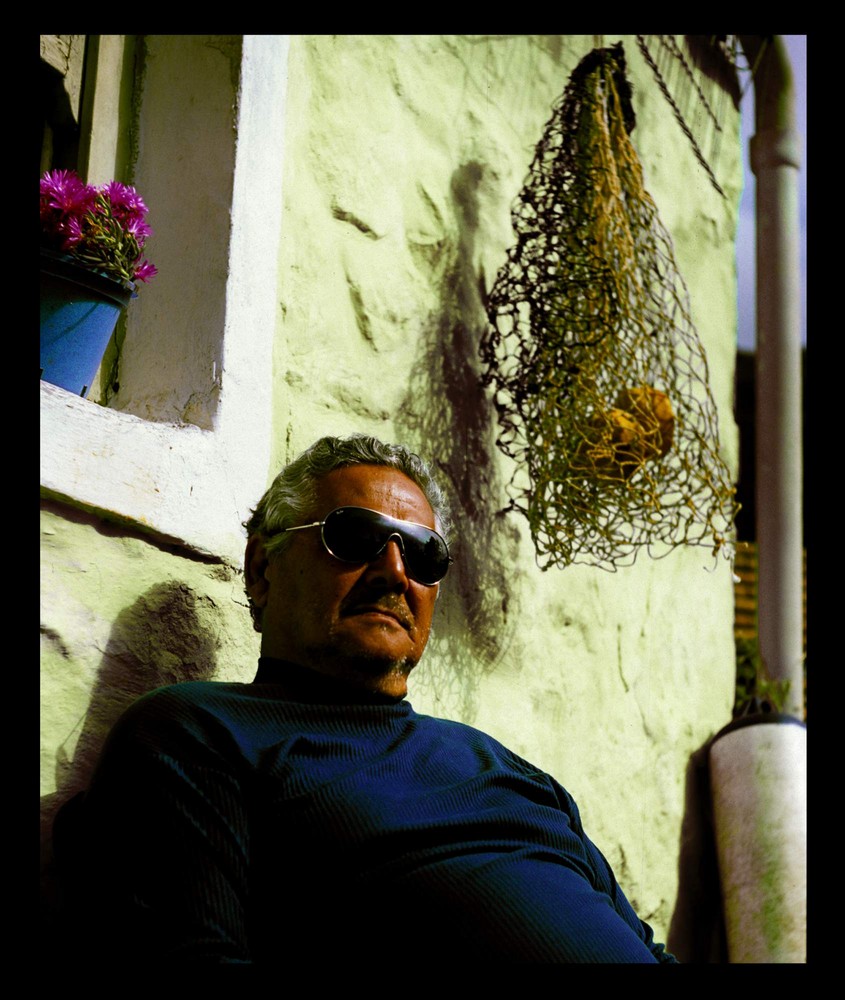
(797, 47)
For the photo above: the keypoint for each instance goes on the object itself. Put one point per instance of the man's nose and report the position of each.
(389, 566)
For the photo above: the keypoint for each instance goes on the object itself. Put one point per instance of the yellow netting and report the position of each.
(599, 378)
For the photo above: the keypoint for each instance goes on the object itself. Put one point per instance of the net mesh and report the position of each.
(598, 376)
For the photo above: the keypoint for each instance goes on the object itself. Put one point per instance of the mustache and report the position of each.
(391, 604)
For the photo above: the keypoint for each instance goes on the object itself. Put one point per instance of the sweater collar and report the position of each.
(305, 685)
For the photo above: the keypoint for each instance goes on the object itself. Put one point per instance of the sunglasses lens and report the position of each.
(353, 536)
(426, 555)
(357, 535)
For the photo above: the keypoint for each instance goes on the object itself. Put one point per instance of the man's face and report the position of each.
(366, 623)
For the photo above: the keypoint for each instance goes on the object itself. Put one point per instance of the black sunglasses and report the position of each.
(359, 535)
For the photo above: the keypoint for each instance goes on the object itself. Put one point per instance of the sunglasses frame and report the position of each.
(395, 534)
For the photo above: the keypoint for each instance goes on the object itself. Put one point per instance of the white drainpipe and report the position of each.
(775, 158)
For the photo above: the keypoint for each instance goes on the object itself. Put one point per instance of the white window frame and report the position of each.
(183, 484)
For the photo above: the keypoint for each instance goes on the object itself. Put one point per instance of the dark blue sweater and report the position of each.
(286, 822)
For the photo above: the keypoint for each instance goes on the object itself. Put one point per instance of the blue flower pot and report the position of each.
(79, 311)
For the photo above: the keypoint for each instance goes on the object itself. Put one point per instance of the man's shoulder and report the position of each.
(187, 698)
(183, 712)
(196, 692)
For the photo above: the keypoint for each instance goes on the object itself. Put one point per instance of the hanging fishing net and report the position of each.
(598, 376)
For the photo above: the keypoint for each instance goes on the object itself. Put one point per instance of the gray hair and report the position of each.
(292, 496)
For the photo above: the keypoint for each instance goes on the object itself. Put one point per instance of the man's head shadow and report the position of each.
(446, 414)
(160, 639)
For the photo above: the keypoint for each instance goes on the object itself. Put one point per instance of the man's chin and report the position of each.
(373, 645)
(360, 661)
(372, 665)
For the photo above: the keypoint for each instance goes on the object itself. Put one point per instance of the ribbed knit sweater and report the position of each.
(287, 821)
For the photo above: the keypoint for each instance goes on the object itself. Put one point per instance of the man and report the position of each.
(313, 816)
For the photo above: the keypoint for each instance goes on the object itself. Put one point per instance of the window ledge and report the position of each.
(174, 482)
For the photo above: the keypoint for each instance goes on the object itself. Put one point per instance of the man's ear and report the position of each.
(255, 567)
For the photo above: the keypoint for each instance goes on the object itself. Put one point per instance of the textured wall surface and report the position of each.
(403, 157)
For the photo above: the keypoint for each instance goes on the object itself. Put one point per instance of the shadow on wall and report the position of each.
(448, 415)
(161, 639)
(697, 930)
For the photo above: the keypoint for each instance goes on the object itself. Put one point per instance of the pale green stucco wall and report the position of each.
(403, 155)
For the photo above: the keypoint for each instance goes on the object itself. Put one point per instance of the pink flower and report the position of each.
(71, 229)
(138, 228)
(145, 271)
(125, 200)
(63, 191)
